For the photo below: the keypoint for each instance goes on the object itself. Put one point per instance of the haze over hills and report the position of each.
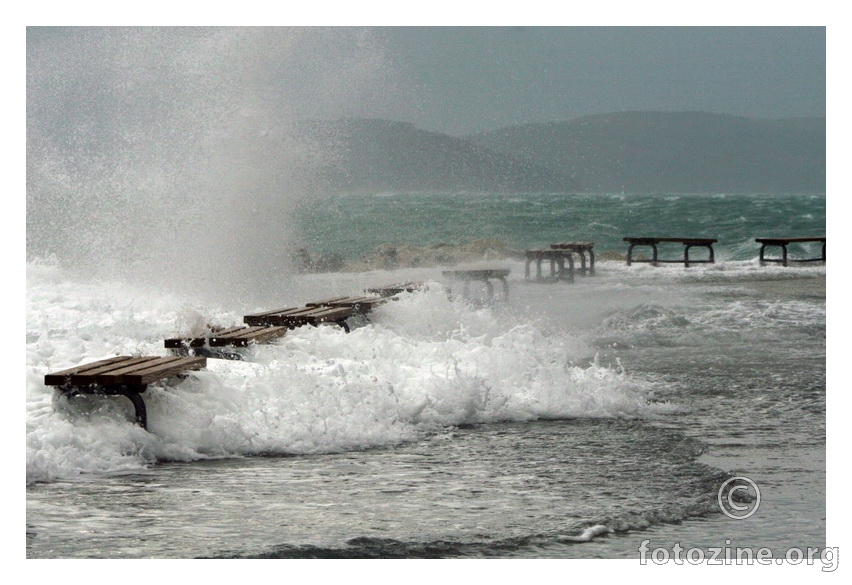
(379, 155)
(633, 152)
(675, 152)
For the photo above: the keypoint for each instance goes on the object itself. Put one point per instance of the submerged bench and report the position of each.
(783, 243)
(485, 276)
(122, 376)
(239, 336)
(581, 249)
(687, 243)
(298, 317)
(556, 258)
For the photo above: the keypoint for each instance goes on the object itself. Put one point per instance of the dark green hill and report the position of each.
(673, 152)
(361, 155)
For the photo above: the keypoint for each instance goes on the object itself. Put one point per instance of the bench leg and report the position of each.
(784, 256)
(591, 262)
(138, 405)
(133, 393)
(710, 259)
(570, 272)
(653, 253)
(763, 260)
(527, 269)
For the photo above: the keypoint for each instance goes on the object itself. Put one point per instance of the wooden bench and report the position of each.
(556, 258)
(298, 317)
(581, 249)
(783, 243)
(687, 243)
(359, 305)
(122, 376)
(239, 336)
(394, 289)
(485, 276)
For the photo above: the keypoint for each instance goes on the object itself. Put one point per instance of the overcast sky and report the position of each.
(479, 78)
(456, 80)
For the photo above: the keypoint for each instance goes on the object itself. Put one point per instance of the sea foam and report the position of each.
(418, 365)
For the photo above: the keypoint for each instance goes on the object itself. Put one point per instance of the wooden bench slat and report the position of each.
(201, 340)
(239, 336)
(91, 376)
(163, 368)
(257, 334)
(124, 374)
(274, 312)
(396, 288)
(693, 241)
(326, 302)
(779, 241)
(124, 370)
(299, 317)
(227, 331)
(64, 376)
(156, 373)
(236, 332)
(330, 313)
(358, 304)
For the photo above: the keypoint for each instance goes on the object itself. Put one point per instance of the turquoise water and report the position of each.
(563, 421)
(356, 224)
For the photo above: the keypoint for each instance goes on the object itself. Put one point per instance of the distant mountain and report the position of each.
(638, 152)
(680, 152)
(366, 155)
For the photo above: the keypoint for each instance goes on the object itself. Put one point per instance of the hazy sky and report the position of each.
(473, 79)
(456, 80)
